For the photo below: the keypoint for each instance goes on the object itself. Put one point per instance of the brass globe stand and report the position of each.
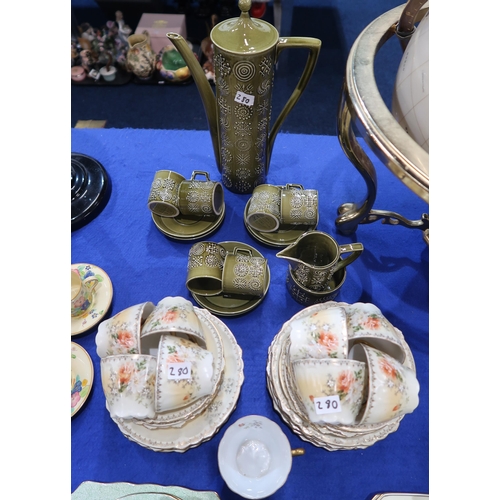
(361, 106)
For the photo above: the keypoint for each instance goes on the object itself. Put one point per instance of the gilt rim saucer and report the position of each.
(82, 377)
(281, 238)
(103, 294)
(184, 227)
(233, 306)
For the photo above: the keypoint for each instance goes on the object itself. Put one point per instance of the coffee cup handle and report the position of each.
(200, 172)
(294, 186)
(355, 248)
(242, 250)
(90, 282)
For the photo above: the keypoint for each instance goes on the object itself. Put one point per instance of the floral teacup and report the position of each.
(320, 334)
(392, 388)
(128, 382)
(367, 324)
(175, 316)
(184, 373)
(121, 333)
(332, 391)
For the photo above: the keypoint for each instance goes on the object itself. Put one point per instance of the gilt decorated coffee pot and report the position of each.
(246, 51)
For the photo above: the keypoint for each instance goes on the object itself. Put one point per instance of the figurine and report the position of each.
(124, 30)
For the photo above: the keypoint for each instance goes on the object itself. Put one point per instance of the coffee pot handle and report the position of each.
(294, 42)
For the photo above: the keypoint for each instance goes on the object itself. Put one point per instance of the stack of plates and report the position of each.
(184, 428)
(286, 401)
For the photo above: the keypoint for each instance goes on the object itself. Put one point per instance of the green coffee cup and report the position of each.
(204, 270)
(264, 209)
(244, 274)
(200, 197)
(299, 206)
(164, 194)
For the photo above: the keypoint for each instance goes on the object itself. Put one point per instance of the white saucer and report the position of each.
(103, 295)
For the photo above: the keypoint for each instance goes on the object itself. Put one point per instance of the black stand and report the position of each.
(90, 189)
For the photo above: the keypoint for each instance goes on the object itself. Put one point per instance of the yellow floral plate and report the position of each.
(103, 294)
(82, 376)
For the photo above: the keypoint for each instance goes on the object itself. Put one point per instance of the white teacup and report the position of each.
(183, 374)
(254, 457)
(128, 382)
(392, 388)
(121, 333)
(175, 316)
(320, 334)
(367, 324)
(332, 391)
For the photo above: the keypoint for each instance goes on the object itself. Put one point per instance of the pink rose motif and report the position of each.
(175, 358)
(328, 340)
(345, 381)
(170, 315)
(125, 339)
(372, 323)
(387, 368)
(125, 373)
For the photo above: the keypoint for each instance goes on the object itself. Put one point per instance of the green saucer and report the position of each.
(184, 227)
(281, 238)
(233, 306)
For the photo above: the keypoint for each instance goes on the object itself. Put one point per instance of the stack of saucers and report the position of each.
(341, 376)
(171, 373)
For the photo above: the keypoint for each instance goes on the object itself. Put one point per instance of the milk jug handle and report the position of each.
(294, 42)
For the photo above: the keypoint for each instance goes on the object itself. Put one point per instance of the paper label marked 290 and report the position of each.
(327, 404)
(243, 98)
(179, 371)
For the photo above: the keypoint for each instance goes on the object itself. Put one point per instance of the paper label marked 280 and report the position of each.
(327, 404)
(179, 371)
(243, 98)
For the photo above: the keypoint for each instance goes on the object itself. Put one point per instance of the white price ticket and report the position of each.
(327, 404)
(179, 371)
(243, 98)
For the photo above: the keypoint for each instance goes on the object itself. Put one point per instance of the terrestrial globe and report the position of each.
(398, 137)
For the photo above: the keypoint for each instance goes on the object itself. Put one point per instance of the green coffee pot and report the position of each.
(246, 51)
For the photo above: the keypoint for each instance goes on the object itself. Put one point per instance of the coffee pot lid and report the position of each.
(244, 35)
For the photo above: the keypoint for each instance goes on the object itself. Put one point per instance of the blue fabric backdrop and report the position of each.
(144, 265)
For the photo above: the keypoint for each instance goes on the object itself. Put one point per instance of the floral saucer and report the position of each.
(103, 295)
(281, 238)
(82, 376)
(185, 227)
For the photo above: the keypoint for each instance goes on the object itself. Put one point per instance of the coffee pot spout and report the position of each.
(206, 93)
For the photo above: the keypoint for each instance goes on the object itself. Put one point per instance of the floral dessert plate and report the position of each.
(92, 490)
(281, 238)
(82, 376)
(233, 306)
(207, 424)
(188, 227)
(103, 294)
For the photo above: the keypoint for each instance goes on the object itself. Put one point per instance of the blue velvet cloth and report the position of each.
(144, 265)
